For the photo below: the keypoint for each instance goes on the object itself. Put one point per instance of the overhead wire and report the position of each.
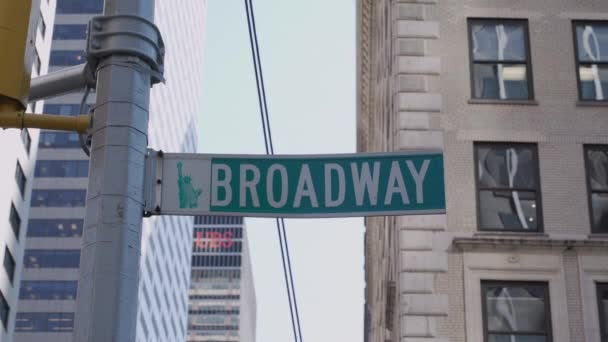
(263, 106)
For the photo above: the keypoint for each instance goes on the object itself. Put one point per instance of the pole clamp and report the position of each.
(129, 35)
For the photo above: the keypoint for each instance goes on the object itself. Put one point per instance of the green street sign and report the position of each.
(302, 186)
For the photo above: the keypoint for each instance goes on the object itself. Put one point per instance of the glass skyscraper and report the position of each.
(47, 295)
(222, 304)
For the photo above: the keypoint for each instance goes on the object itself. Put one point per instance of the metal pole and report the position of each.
(106, 308)
(63, 81)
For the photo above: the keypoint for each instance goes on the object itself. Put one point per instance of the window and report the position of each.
(41, 25)
(51, 258)
(602, 299)
(65, 109)
(4, 310)
(69, 32)
(62, 168)
(58, 140)
(54, 228)
(20, 178)
(15, 220)
(58, 198)
(508, 187)
(79, 6)
(64, 58)
(37, 63)
(500, 60)
(26, 139)
(44, 322)
(9, 264)
(516, 312)
(591, 46)
(48, 290)
(596, 165)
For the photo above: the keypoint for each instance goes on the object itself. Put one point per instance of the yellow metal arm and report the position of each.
(10, 117)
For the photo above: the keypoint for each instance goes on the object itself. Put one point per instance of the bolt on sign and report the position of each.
(302, 186)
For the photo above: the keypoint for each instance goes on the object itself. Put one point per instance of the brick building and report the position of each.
(515, 93)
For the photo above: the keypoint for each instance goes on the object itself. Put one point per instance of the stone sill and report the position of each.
(527, 240)
(592, 103)
(504, 102)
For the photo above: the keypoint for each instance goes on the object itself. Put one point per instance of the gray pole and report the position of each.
(106, 308)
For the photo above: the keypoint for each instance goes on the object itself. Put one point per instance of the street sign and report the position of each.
(302, 186)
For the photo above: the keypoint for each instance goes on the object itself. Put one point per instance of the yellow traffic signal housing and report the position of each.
(16, 35)
(15, 69)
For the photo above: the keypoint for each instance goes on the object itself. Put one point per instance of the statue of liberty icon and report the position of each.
(188, 196)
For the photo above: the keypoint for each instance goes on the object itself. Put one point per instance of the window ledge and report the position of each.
(504, 102)
(592, 103)
(510, 234)
(599, 236)
(534, 241)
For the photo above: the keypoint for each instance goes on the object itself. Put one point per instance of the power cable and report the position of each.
(282, 233)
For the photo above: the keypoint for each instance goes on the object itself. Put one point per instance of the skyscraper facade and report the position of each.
(18, 154)
(222, 303)
(54, 229)
(514, 93)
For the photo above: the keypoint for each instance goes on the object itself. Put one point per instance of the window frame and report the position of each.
(20, 179)
(5, 305)
(577, 61)
(600, 287)
(538, 190)
(528, 62)
(26, 139)
(9, 256)
(590, 190)
(509, 283)
(16, 226)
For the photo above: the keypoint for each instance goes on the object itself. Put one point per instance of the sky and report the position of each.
(308, 58)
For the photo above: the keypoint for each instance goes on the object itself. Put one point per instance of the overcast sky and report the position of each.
(308, 56)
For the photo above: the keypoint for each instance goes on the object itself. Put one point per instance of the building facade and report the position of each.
(54, 228)
(514, 93)
(222, 303)
(19, 155)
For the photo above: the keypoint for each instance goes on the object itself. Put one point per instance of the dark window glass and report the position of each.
(66, 58)
(48, 290)
(62, 168)
(516, 312)
(20, 178)
(44, 322)
(41, 25)
(51, 258)
(9, 264)
(216, 260)
(4, 310)
(596, 162)
(54, 228)
(59, 140)
(26, 139)
(15, 220)
(37, 63)
(58, 198)
(592, 60)
(508, 187)
(602, 299)
(65, 109)
(211, 219)
(69, 31)
(79, 6)
(500, 61)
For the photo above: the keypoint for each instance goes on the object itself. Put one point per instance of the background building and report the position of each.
(222, 304)
(18, 155)
(515, 95)
(54, 229)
